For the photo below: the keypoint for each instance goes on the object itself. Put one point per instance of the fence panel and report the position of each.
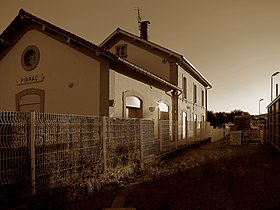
(252, 135)
(151, 146)
(122, 142)
(71, 147)
(67, 147)
(194, 132)
(14, 150)
(166, 140)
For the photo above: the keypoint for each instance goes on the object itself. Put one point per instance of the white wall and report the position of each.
(151, 97)
(60, 66)
(188, 104)
(145, 59)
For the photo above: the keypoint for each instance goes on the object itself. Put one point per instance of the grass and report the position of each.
(225, 177)
(212, 176)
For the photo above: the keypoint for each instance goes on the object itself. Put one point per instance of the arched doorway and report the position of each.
(31, 99)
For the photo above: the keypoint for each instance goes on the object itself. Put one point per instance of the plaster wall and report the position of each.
(151, 96)
(145, 59)
(187, 104)
(71, 79)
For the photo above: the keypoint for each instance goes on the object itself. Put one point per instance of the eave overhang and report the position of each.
(136, 72)
(172, 56)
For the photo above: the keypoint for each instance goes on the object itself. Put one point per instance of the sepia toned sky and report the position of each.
(235, 44)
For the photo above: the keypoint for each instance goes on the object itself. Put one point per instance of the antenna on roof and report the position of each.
(139, 16)
(142, 25)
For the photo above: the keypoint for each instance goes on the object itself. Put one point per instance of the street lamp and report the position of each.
(271, 83)
(260, 105)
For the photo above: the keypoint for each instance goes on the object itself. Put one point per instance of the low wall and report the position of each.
(216, 134)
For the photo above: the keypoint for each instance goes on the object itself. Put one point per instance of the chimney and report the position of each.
(144, 29)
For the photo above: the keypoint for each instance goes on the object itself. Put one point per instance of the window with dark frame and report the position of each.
(121, 50)
(202, 97)
(194, 93)
(184, 87)
(30, 58)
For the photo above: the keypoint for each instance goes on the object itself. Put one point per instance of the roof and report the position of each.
(182, 61)
(149, 74)
(25, 21)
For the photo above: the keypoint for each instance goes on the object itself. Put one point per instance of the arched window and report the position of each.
(133, 107)
(163, 111)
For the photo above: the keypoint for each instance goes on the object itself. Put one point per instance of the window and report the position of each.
(30, 58)
(121, 50)
(194, 117)
(133, 107)
(184, 87)
(184, 125)
(163, 111)
(194, 93)
(202, 118)
(202, 98)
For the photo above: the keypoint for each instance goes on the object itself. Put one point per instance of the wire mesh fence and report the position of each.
(178, 134)
(14, 153)
(122, 142)
(151, 146)
(41, 151)
(67, 147)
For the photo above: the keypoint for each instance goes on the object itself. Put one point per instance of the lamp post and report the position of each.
(271, 83)
(260, 105)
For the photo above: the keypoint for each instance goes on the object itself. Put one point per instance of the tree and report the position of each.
(219, 118)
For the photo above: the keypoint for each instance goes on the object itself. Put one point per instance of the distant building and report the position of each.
(189, 104)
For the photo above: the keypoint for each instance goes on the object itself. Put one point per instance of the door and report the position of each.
(30, 100)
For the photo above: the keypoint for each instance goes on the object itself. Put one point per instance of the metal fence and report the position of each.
(66, 147)
(40, 151)
(122, 141)
(14, 153)
(174, 136)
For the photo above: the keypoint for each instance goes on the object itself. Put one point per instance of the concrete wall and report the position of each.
(71, 79)
(217, 134)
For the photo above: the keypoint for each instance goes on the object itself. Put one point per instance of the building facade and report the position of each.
(47, 69)
(190, 103)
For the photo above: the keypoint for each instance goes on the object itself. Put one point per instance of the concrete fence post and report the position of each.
(176, 134)
(160, 135)
(141, 143)
(104, 143)
(32, 152)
